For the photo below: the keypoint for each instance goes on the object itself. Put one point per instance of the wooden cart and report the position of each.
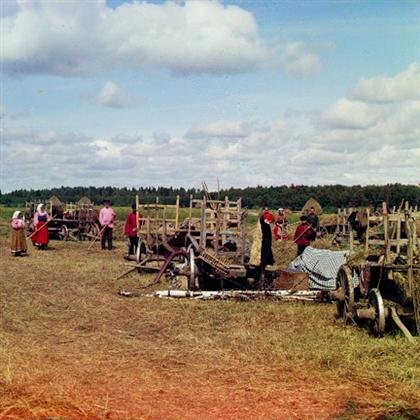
(69, 222)
(208, 250)
(384, 286)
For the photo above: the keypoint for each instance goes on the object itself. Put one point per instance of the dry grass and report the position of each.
(70, 347)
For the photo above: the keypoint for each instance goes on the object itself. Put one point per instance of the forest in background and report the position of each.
(292, 197)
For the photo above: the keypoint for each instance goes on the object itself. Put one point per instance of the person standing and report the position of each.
(106, 219)
(314, 222)
(18, 246)
(266, 219)
(130, 230)
(303, 234)
(40, 235)
(280, 227)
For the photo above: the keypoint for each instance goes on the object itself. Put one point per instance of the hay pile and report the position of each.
(255, 254)
(312, 203)
(84, 201)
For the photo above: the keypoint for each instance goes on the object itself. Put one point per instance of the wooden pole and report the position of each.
(203, 223)
(398, 232)
(96, 237)
(177, 213)
(37, 230)
(367, 232)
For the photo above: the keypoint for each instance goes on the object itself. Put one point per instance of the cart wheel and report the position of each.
(63, 233)
(377, 325)
(141, 252)
(345, 306)
(193, 280)
(91, 232)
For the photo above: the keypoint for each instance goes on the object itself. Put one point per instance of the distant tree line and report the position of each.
(293, 196)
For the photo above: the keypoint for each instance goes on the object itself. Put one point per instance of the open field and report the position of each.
(71, 347)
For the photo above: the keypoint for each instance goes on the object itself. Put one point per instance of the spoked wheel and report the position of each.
(91, 232)
(141, 252)
(193, 278)
(375, 302)
(63, 233)
(345, 287)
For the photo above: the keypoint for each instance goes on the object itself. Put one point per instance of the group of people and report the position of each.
(40, 237)
(305, 233)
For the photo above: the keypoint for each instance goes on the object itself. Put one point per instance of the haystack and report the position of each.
(55, 201)
(255, 255)
(84, 201)
(312, 203)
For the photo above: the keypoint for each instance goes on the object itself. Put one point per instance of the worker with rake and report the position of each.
(40, 235)
(303, 235)
(106, 219)
(280, 226)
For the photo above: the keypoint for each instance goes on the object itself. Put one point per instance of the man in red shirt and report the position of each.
(130, 230)
(303, 235)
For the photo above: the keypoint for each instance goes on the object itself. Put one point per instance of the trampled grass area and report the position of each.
(71, 347)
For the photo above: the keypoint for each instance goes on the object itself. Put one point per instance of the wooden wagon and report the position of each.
(208, 250)
(385, 285)
(69, 221)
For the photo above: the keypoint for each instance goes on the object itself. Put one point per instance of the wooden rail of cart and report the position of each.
(388, 282)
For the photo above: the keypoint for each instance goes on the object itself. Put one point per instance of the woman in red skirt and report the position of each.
(40, 237)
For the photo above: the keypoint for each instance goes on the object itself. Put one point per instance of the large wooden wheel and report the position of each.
(345, 289)
(91, 232)
(63, 233)
(193, 275)
(376, 304)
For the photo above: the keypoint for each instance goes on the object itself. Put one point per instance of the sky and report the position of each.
(136, 93)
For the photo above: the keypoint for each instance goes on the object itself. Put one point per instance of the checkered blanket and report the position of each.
(321, 265)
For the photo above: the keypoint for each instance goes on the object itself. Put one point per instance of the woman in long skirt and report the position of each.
(18, 245)
(40, 237)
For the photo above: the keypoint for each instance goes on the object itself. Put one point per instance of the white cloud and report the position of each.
(383, 89)
(219, 129)
(357, 143)
(113, 96)
(86, 38)
(351, 114)
(296, 59)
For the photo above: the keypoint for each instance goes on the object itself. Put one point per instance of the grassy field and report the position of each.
(71, 347)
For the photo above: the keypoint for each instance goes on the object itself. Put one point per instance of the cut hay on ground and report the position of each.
(71, 347)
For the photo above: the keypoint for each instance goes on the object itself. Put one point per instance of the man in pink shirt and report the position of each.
(106, 219)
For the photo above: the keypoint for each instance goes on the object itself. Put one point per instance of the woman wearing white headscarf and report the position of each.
(18, 245)
(40, 236)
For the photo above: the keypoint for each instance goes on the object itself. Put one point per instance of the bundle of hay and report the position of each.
(84, 201)
(255, 254)
(55, 201)
(312, 203)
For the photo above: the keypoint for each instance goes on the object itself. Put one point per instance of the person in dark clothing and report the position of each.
(266, 219)
(314, 222)
(303, 234)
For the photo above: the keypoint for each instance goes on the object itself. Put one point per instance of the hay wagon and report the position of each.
(208, 250)
(68, 222)
(384, 286)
